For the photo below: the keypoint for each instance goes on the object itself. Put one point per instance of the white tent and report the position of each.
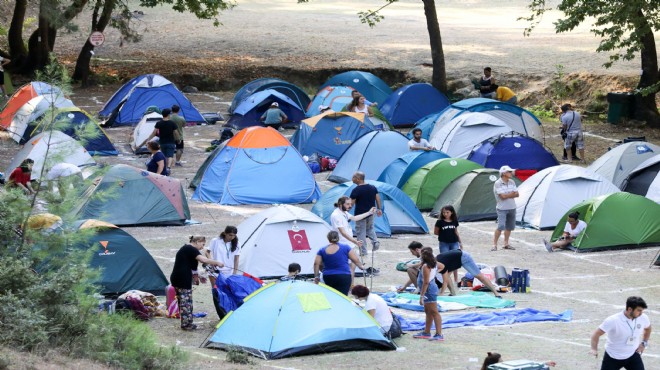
(49, 148)
(142, 131)
(32, 110)
(461, 134)
(547, 195)
(616, 164)
(278, 236)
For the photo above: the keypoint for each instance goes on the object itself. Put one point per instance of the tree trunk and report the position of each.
(439, 76)
(15, 42)
(82, 71)
(645, 106)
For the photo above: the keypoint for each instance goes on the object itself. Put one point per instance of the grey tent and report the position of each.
(617, 164)
(644, 180)
(471, 195)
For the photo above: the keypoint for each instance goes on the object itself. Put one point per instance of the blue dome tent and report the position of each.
(372, 87)
(253, 107)
(408, 104)
(292, 91)
(330, 133)
(400, 215)
(400, 170)
(127, 106)
(334, 97)
(296, 318)
(370, 154)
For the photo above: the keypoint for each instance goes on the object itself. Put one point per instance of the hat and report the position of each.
(504, 169)
(274, 104)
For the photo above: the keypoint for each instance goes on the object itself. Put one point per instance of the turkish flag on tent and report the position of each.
(299, 240)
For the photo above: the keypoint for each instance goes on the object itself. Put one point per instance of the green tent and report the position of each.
(426, 184)
(471, 195)
(615, 221)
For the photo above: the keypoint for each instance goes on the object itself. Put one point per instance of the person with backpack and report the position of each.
(184, 274)
(375, 306)
(571, 124)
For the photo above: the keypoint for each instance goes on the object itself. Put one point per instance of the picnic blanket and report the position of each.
(506, 317)
(410, 301)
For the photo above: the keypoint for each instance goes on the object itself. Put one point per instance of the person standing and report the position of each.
(487, 86)
(184, 274)
(506, 191)
(571, 123)
(628, 334)
(168, 134)
(3, 62)
(274, 117)
(336, 270)
(419, 143)
(180, 124)
(446, 228)
(428, 296)
(364, 196)
(339, 221)
(225, 249)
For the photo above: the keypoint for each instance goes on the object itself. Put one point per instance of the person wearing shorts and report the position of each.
(506, 191)
(180, 124)
(452, 261)
(168, 134)
(571, 123)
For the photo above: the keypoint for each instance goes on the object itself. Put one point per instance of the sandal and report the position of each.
(509, 247)
(494, 249)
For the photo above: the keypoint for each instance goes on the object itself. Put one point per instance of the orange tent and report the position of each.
(22, 96)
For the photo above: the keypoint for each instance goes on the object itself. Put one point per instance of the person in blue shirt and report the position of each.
(336, 269)
(274, 117)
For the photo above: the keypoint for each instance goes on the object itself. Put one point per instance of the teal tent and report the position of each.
(297, 318)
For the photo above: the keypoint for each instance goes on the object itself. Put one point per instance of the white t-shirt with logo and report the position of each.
(578, 229)
(338, 219)
(221, 251)
(619, 329)
(382, 313)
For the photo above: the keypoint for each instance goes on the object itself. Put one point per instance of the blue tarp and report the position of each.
(412, 102)
(232, 290)
(507, 317)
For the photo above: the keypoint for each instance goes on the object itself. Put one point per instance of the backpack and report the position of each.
(395, 328)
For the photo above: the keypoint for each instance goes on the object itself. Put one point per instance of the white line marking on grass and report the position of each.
(205, 355)
(163, 258)
(281, 367)
(592, 301)
(572, 277)
(601, 137)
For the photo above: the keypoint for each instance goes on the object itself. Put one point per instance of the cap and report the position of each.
(504, 169)
(323, 107)
(274, 104)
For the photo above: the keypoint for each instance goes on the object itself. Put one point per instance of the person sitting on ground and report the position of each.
(419, 143)
(20, 177)
(157, 162)
(359, 105)
(494, 358)
(453, 260)
(375, 306)
(573, 228)
(294, 270)
(504, 94)
(413, 270)
(487, 86)
(274, 117)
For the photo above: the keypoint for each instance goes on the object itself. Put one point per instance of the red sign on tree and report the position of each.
(97, 38)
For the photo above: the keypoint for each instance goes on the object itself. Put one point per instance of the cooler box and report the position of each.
(518, 365)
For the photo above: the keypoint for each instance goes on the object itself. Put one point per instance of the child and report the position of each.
(428, 296)
(446, 228)
(294, 270)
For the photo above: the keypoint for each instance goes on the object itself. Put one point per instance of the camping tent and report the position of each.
(412, 102)
(143, 130)
(548, 194)
(619, 220)
(79, 125)
(129, 103)
(23, 95)
(278, 236)
(330, 133)
(616, 164)
(523, 153)
(125, 264)
(461, 134)
(209, 159)
(425, 185)
(400, 169)
(294, 92)
(257, 166)
(519, 119)
(129, 196)
(23, 124)
(372, 87)
(250, 110)
(644, 179)
(59, 147)
(399, 213)
(334, 97)
(370, 154)
(295, 318)
(471, 194)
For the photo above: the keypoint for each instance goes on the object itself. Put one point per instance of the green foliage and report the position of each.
(236, 356)
(202, 9)
(542, 112)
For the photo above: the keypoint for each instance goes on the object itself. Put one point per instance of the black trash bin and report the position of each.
(620, 105)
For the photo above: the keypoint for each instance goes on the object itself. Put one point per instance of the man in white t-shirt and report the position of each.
(573, 228)
(506, 192)
(375, 306)
(419, 143)
(628, 334)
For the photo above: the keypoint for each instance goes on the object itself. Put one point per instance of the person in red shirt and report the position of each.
(20, 177)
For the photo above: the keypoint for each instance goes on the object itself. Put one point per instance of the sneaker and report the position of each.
(422, 335)
(189, 328)
(376, 246)
(548, 247)
(178, 164)
(576, 159)
(564, 158)
(438, 337)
